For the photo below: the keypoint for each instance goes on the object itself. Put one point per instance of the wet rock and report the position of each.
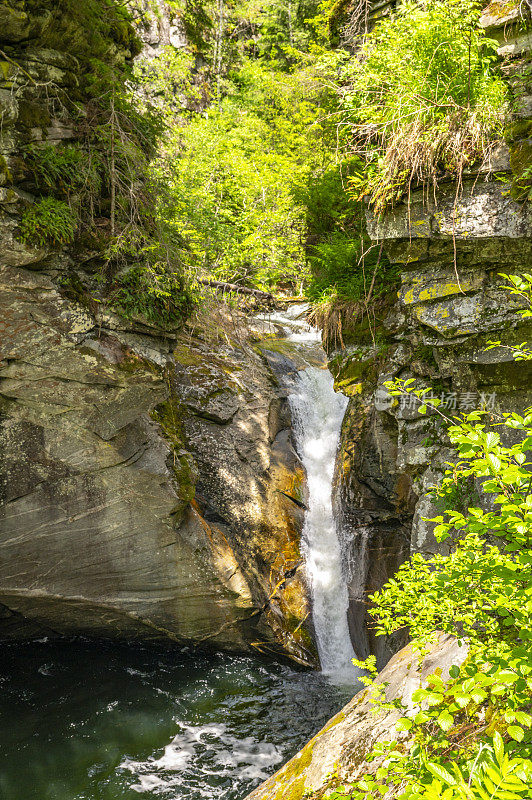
(336, 755)
(250, 480)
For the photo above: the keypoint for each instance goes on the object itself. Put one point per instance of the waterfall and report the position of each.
(317, 413)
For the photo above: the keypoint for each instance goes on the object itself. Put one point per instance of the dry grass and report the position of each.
(331, 317)
(414, 156)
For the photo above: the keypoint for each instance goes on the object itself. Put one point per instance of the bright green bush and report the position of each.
(229, 178)
(335, 236)
(423, 99)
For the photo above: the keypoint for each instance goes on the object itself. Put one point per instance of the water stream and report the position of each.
(317, 414)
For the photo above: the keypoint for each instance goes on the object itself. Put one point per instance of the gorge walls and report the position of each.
(150, 482)
(448, 251)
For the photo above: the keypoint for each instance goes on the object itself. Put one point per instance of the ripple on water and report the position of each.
(92, 721)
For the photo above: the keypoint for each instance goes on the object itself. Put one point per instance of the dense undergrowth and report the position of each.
(97, 193)
(250, 155)
(424, 100)
(269, 184)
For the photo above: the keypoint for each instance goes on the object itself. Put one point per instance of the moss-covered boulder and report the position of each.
(337, 754)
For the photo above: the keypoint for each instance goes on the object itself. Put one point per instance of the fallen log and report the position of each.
(232, 287)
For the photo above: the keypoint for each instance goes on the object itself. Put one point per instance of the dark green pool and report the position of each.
(92, 721)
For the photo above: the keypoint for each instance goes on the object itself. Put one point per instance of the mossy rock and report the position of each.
(519, 130)
(33, 115)
(169, 415)
(500, 9)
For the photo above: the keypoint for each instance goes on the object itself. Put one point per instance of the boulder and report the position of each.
(336, 755)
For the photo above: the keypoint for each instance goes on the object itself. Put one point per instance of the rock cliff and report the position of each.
(146, 477)
(146, 481)
(448, 251)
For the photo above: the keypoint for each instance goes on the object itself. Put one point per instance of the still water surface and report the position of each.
(87, 721)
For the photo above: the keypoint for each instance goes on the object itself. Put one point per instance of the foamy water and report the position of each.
(209, 751)
(317, 414)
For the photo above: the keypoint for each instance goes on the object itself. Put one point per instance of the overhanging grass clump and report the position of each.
(423, 100)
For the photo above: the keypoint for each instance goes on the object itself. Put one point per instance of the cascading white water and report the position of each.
(317, 412)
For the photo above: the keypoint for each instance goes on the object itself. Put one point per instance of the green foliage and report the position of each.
(103, 178)
(470, 736)
(424, 99)
(459, 496)
(98, 189)
(167, 81)
(152, 291)
(335, 236)
(230, 177)
(69, 172)
(48, 221)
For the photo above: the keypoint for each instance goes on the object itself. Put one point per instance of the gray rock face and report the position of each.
(337, 752)
(437, 332)
(101, 449)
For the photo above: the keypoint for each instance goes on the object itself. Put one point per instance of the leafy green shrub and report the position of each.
(154, 292)
(337, 267)
(229, 177)
(423, 99)
(48, 221)
(459, 496)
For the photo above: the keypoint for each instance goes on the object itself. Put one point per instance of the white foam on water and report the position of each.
(206, 750)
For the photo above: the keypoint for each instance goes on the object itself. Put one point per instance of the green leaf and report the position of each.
(440, 772)
(478, 694)
(516, 732)
(462, 699)
(445, 721)
(434, 698)
(403, 724)
(494, 462)
(454, 671)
